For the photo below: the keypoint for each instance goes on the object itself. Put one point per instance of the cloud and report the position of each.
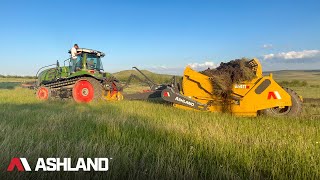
(294, 55)
(202, 66)
(266, 66)
(297, 60)
(267, 46)
(161, 69)
(178, 70)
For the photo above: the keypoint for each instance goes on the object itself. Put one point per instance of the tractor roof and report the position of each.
(90, 51)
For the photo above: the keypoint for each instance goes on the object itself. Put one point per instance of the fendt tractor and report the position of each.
(261, 95)
(86, 83)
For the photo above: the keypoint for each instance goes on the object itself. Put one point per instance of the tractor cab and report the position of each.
(88, 63)
(88, 60)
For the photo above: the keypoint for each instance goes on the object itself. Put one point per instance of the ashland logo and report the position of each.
(21, 164)
(274, 95)
(166, 94)
(184, 101)
(57, 164)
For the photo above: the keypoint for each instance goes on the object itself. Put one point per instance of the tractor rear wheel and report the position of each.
(43, 93)
(294, 110)
(86, 90)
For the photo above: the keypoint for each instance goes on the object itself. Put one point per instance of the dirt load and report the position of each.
(227, 74)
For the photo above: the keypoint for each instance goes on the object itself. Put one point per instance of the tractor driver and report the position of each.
(74, 56)
(91, 64)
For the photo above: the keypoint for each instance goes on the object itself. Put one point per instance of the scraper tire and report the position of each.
(294, 110)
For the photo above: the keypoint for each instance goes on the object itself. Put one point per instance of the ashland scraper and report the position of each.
(196, 91)
(260, 95)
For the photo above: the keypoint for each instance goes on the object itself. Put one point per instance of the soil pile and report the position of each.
(227, 74)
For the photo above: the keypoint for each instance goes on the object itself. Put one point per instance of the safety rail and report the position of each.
(56, 64)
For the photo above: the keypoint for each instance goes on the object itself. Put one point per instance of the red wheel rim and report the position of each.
(43, 93)
(83, 91)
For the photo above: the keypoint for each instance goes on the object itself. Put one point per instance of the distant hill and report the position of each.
(312, 76)
(291, 71)
(278, 75)
(157, 78)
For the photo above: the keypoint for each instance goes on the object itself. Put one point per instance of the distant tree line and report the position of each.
(293, 83)
(16, 76)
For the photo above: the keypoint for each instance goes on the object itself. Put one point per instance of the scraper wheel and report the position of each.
(294, 110)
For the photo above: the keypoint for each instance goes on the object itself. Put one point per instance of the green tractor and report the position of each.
(82, 79)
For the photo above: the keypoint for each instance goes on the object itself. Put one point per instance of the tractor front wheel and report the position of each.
(294, 110)
(43, 93)
(87, 90)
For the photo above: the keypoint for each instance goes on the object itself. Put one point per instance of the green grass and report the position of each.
(156, 141)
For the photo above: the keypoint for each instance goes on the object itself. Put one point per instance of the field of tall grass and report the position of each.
(149, 140)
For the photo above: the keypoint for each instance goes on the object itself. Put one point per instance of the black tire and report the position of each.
(96, 95)
(294, 110)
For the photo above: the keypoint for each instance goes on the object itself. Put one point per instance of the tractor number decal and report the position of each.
(274, 95)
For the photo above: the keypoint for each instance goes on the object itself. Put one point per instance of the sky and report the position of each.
(163, 36)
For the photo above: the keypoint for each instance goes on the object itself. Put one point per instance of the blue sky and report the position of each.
(160, 35)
